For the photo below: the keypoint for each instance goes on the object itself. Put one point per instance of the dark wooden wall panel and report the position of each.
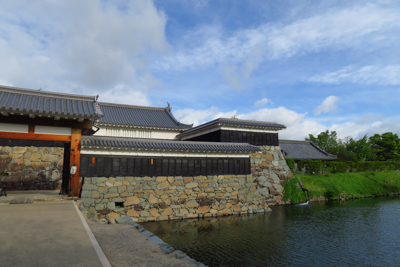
(253, 138)
(107, 166)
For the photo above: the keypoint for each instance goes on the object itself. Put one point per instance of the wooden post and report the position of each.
(75, 159)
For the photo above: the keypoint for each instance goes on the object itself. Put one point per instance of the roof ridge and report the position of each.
(18, 90)
(136, 139)
(129, 106)
(254, 121)
(221, 121)
(293, 141)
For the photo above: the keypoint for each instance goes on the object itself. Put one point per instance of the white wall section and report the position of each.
(136, 133)
(52, 130)
(16, 128)
(117, 152)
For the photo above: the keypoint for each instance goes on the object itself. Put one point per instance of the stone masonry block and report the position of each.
(111, 205)
(87, 201)
(89, 187)
(86, 194)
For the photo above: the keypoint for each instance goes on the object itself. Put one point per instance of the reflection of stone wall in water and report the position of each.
(269, 171)
(224, 229)
(26, 168)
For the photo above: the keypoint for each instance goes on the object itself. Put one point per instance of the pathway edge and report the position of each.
(99, 251)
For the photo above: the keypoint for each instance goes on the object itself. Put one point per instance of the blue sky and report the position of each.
(308, 65)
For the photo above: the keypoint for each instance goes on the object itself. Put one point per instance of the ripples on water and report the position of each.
(354, 233)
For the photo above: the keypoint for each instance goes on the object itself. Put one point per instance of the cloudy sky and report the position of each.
(310, 66)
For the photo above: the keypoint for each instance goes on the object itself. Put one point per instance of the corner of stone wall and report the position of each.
(270, 170)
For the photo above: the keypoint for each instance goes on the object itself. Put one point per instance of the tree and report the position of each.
(386, 146)
(360, 147)
(326, 140)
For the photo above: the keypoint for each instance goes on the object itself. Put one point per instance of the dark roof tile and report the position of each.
(135, 143)
(118, 114)
(232, 122)
(301, 150)
(36, 102)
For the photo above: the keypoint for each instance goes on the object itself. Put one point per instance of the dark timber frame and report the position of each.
(252, 138)
(111, 166)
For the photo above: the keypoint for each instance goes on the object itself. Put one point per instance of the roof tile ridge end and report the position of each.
(169, 112)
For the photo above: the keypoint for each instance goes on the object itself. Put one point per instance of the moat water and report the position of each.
(363, 232)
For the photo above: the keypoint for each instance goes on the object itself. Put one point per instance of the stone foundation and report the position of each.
(31, 168)
(269, 170)
(169, 198)
(175, 197)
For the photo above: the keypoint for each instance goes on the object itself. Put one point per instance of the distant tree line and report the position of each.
(379, 147)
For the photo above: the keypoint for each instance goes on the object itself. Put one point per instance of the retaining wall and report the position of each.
(176, 197)
(168, 198)
(269, 170)
(31, 168)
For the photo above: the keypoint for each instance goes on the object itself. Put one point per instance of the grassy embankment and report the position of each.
(340, 185)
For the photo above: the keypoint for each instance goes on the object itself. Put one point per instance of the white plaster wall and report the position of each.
(164, 135)
(122, 152)
(136, 133)
(16, 128)
(52, 130)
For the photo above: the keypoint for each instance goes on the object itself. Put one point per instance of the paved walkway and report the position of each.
(37, 195)
(44, 234)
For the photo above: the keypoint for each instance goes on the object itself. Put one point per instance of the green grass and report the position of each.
(352, 185)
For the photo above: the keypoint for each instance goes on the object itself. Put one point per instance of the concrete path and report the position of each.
(44, 234)
(37, 195)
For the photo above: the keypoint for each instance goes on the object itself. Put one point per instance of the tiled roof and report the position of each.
(21, 101)
(162, 145)
(250, 124)
(301, 150)
(117, 114)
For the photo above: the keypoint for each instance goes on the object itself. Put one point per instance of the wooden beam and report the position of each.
(75, 160)
(31, 128)
(33, 136)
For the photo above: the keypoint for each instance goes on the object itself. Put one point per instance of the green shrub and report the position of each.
(291, 164)
(293, 192)
(311, 166)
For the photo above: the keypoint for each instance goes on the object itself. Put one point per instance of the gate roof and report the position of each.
(19, 101)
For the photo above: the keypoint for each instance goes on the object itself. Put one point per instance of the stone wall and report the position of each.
(169, 198)
(27, 168)
(269, 171)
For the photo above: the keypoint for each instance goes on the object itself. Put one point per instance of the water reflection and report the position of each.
(360, 232)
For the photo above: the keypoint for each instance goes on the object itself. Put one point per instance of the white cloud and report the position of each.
(382, 75)
(299, 126)
(242, 52)
(328, 105)
(262, 102)
(199, 116)
(123, 95)
(74, 45)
